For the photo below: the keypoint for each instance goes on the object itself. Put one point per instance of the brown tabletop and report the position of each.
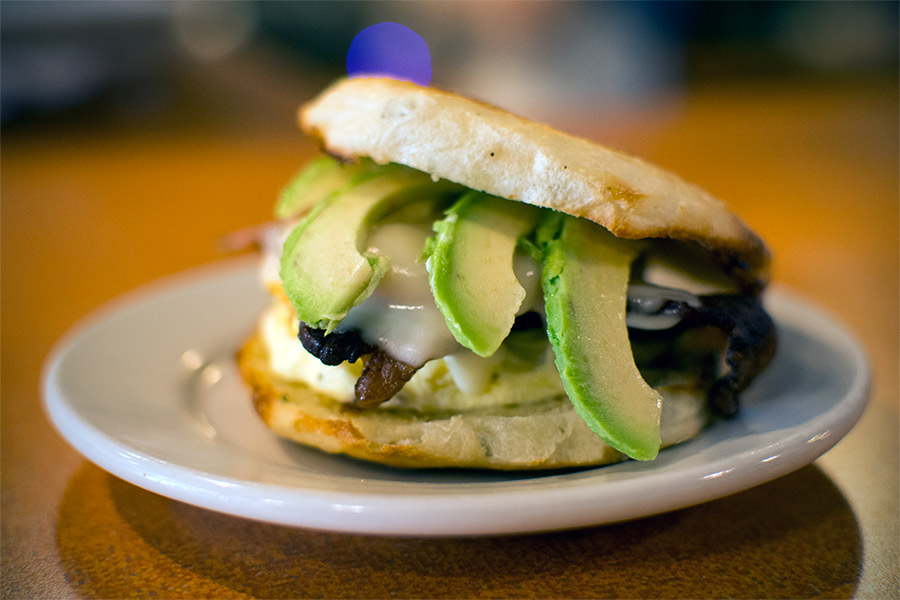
(89, 215)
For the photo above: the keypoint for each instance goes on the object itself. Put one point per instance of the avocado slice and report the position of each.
(321, 178)
(585, 272)
(470, 268)
(323, 270)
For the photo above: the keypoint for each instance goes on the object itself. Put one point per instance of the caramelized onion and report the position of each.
(334, 348)
(752, 340)
(382, 377)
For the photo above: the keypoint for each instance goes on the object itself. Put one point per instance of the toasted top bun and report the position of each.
(488, 149)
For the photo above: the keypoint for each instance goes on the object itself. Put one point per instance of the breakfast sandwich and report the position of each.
(453, 285)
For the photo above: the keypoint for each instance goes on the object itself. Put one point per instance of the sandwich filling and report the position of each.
(405, 292)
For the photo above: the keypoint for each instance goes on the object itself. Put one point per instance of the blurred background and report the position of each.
(246, 65)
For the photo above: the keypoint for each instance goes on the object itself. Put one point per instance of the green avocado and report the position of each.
(470, 266)
(323, 270)
(585, 272)
(318, 180)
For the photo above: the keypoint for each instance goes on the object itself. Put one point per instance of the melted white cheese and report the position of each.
(652, 299)
(401, 317)
(528, 272)
(471, 372)
(667, 267)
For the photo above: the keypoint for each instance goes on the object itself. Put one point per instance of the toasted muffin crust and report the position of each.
(489, 149)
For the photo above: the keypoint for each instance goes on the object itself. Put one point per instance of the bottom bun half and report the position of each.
(544, 434)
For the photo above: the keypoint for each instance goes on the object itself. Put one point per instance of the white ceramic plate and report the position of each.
(147, 390)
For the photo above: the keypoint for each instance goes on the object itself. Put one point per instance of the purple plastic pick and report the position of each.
(390, 50)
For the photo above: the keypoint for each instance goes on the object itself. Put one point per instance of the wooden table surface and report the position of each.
(90, 214)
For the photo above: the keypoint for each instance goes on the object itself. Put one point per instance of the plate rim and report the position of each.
(377, 513)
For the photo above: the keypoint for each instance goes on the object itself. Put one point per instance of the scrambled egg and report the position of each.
(522, 371)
